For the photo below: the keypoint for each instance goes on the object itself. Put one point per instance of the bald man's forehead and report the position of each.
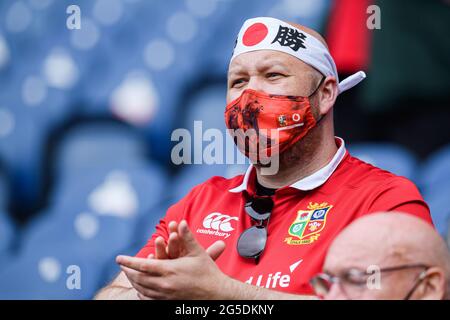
(262, 59)
(344, 254)
(392, 238)
(310, 31)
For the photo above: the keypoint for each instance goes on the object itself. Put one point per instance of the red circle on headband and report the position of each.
(255, 34)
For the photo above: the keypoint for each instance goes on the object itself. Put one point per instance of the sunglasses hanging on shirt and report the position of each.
(251, 242)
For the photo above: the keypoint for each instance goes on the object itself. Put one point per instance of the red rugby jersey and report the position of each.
(306, 217)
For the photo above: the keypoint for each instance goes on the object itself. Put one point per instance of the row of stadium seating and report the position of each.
(132, 58)
(156, 65)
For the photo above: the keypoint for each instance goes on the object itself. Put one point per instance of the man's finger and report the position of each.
(150, 266)
(187, 238)
(145, 284)
(146, 293)
(216, 249)
(133, 275)
(173, 226)
(174, 246)
(143, 279)
(160, 248)
(142, 297)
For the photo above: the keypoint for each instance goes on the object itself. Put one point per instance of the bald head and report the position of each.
(386, 240)
(310, 31)
(395, 236)
(315, 74)
(298, 78)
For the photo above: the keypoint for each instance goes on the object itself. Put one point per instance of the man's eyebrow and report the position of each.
(267, 64)
(235, 70)
(333, 273)
(326, 271)
(273, 63)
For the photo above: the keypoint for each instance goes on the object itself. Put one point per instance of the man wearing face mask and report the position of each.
(266, 235)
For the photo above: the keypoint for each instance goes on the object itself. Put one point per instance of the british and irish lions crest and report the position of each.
(308, 224)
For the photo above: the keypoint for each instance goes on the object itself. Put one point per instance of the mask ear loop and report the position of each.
(314, 92)
(320, 83)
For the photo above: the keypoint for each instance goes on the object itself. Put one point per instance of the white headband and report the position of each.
(266, 33)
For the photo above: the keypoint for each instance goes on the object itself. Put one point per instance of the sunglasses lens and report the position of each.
(259, 208)
(252, 242)
(321, 285)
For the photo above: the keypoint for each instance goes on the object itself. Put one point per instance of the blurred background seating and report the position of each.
(388, 156)
(435, 182)
(86, 118)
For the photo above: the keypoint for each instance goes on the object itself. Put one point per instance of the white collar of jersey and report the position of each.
(310, 182)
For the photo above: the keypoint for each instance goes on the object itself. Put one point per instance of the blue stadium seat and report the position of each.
(111, 269)
(6, 226)
(118, 196)
(21, 151)
(52, 271)
(81, 230)
(4, 191)
(98, 144)
(438, 198)
(144, 230)
(94, 212)
(148, 222)
(435, 182)
(6, 237)
(102, 170)
(193, 175)
(436, 169)
(387, 156)
(208, 106)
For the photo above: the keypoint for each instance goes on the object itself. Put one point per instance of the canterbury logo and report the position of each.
(219, 222)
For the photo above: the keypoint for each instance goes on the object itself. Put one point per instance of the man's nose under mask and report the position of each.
(264, 125)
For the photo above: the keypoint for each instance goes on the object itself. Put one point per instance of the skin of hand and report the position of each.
(195, 278)
(191, 275)
(174, 248)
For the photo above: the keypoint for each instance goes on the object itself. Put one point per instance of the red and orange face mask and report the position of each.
(264, 125)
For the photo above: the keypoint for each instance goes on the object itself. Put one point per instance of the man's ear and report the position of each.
(327, 94)
(433, 286)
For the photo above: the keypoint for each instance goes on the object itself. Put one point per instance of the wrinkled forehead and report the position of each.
(355, 253)
(262, 60)
(265, 33)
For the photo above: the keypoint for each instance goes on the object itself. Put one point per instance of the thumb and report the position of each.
(190, 243)
(216, 249)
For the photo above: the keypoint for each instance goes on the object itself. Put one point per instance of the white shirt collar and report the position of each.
(307, 183)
